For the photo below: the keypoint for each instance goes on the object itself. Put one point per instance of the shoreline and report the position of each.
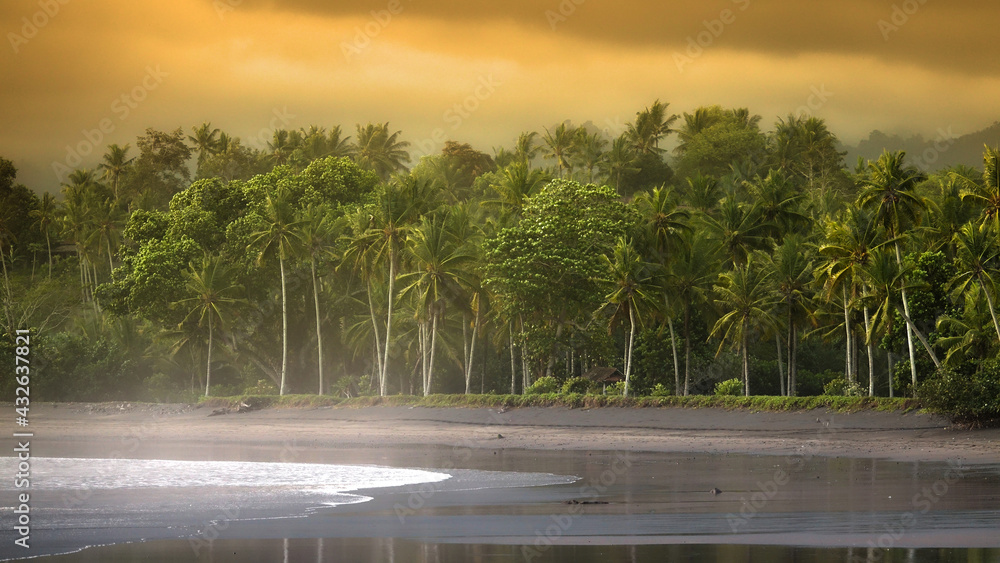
(911, 436)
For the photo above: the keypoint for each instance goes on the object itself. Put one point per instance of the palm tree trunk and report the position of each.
(383, 387)
(781, 368)
(111, 263)
(208, 364)
(677, 365)
(513, 366)
(989, 301)
(284, 328)
(746, 361)
(888, 358)
(631, 342)
(472, 351)
(847, 340)
(792, 365)
(319, 330)
(909, 331)
(871, 354)
(430, 368)
(923, 340)
(48, 245)
(378, 340)
(687, 348)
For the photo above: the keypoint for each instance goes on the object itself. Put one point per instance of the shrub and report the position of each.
(547, 384)
(970, 398)
(840, 387)
(729, 388)
(579, 385)
(615, 389)
(660, 390)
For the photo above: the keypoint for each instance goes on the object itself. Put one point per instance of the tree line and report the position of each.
(324, 264)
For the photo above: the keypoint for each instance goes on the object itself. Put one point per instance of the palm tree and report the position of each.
(338, 145)
(985, 192)
(560, 146)
(45, 216)
(281, 146)
(116, 162)
(889, 189)
(972, 335)
(886, 280)
(525, 150)
(704, 192)
(650, 127)
(979, 262)
(440, 263)
(205, 141)
(780, 202)
(517, 183)
(278, 235)
(107, 220)
(620, 160)
(792, 267)
(589, 151)
(740, 229)
(212, 296)
(629, 278)
(746, 296)
(690, 278)
(316, 233)
(380, 151)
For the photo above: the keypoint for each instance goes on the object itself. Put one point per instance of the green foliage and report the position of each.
(547, 384)
(729, 388)
(965, 397)
(579, 385)
(660, 390)
(840, 387)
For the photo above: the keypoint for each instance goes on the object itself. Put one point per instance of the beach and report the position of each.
(640, 478)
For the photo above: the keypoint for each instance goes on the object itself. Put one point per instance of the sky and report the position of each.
(76, 76)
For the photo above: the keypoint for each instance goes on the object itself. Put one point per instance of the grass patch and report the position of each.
(577, 401)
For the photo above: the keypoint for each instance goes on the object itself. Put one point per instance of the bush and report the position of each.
(579, 385)
(615, 389)
(969, 398)
(840, 387)
(729, 388)
(547, 384)
(660, 390)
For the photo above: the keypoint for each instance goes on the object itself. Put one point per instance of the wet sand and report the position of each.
(646, 475)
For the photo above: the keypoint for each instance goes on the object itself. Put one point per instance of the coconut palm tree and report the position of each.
(978, 262)
(559, 145)
(984, 192)
(115, 164)
(206, 141)
(45, 217)
(885, 281)
(278, 236)
(381, 151)
(525, 150)
(630, 281)
(748, 301)
(588, 151)
(515, 184)
(690, 278)
(213, 297)
(317, 231)
(889, 190)
(620, 160)
(740, 228)
(791, 265)
(780, 202)
(650, 127)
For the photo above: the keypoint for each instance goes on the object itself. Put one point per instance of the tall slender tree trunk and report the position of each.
(871, 354)
(909, 331)
(847, 340)
(989, 301)
(922, 339)
(430, 367)
(111, 263)
(48, 245)
(793, 369)
(208, 364)
(319, 328)
(888, 357)
(513, 365)
(378, 340)
(383, 381)
(677, 365)
(631, 342)
(687, 348)
(781, 368)
(284, 328)
(746, 361)
(472, 353)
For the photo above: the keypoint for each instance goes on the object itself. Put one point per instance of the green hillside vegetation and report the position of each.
(332, 264)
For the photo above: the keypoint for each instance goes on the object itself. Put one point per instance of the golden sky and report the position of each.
(478, 72)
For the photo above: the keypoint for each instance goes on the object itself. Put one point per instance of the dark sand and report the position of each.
(841, 479)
